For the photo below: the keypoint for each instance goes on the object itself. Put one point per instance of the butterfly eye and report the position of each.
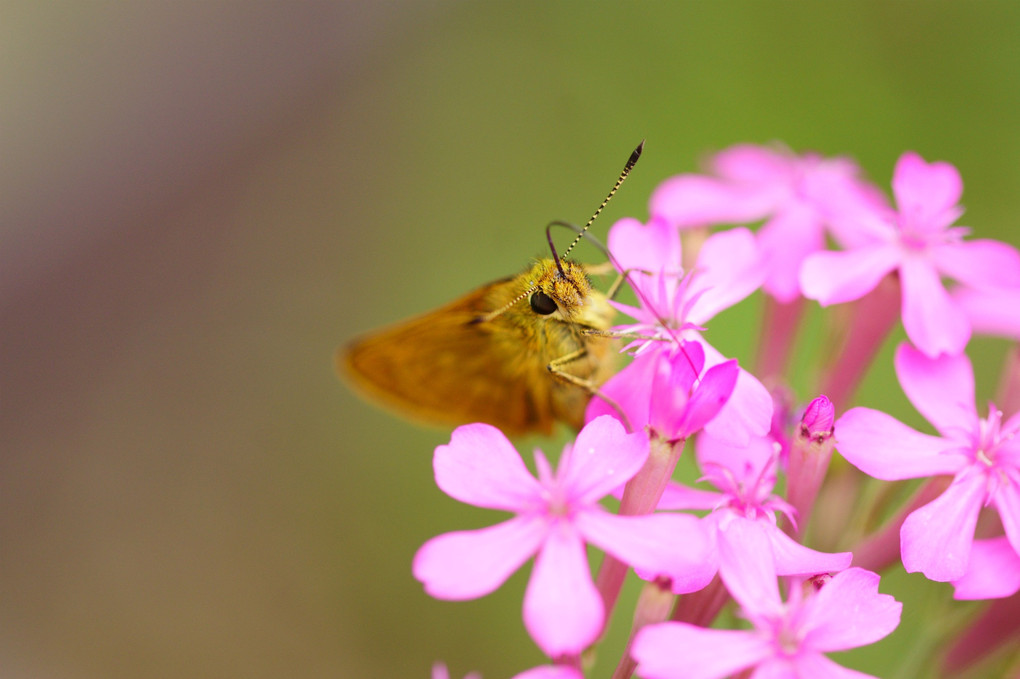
(542, 303)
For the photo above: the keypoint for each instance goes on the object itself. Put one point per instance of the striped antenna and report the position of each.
(484, 318)
(623, 175)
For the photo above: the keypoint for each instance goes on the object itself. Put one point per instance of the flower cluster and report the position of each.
(746, 535)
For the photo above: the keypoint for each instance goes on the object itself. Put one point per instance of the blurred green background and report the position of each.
(200, 201)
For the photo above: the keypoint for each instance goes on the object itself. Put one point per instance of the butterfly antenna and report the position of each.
(623, 175)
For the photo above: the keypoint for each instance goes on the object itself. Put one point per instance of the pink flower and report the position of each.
(991, 312)
(556, 514)
(982, 454)
(993, 571)
(795, 194)
(789, 639)
(660, 390)
(674, 307)
(918, 242)
(745, 477)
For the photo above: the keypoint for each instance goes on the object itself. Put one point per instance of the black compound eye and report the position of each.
(542, 303)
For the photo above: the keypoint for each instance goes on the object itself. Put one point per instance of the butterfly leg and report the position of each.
(556, 368)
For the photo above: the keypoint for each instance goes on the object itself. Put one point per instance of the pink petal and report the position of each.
(470, 564)
(670, 397)
(986, 264)
(934, 323)
(754, 164)
(563, 611)
(654, 248)
(729, 268)
(925, 192)
(941, 389)
(792, 558)
(672, 545)
(709, 397)
(837, 277)
(747, 462)
(785, 242)
(747, 569)
(550, 672)
(676, 496)
(481, 467)
(936, 539)
(747, 413)
(603, 457)
(993, 571)
(849, 612)
(676, 650)
(691, 200)
(1007, 500)
(991, 313)
(630, 389)
(814, 666)
(882, 446)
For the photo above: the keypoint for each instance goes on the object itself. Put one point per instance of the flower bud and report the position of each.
(817, 423)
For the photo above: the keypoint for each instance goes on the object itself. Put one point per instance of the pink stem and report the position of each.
(701, 607)
(779, 329)
(873, 316)
(640, 496)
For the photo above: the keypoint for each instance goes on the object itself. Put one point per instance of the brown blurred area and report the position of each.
(171, 463)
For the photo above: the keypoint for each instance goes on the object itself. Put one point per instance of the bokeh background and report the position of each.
(200, 201)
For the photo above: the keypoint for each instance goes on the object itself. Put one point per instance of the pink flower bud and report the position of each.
(817, 423)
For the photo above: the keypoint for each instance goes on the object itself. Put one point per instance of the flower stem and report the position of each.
(640, 496)
(654, 605)
(779, 329)
(872, 317)
(701, 607)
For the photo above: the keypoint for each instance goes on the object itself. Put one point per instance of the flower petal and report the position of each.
(849, 612)
(793, 558)
(604, 457)
(837, 277)
(691, 200)
(925, 191)
(470, 564)
(654, 247)
(709, 397)
(747, 569)
(630, 389)
(993, 571)
(882, 446)
(785, 242)
(933, 321)
(672, 545)
(563, 611)
(941, 389)
(991, 313)
(481, 467)
(754, 164)
(813, 665)
(676, 496)
(747, 413)
(705, 654)
(729, 268)
(982, 263)
(936, 539)
(550, 672)
(1006, 499)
